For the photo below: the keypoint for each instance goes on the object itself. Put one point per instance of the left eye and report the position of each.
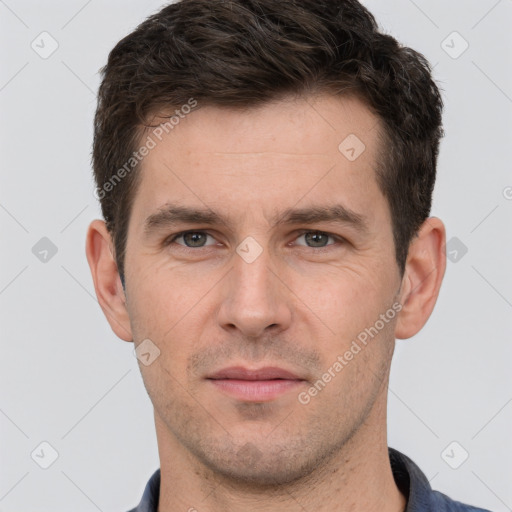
(193, 239)
(315, 239)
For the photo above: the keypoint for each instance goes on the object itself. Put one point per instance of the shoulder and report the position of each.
(151, 495)
(443, 503)
(415, 486)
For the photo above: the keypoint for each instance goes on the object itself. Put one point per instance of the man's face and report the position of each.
(294, 296)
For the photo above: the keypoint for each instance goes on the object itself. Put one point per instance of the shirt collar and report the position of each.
(409, 478)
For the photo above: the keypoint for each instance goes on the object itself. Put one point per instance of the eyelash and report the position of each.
(339, 240)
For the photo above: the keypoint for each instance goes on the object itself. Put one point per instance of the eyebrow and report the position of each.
(172, 214)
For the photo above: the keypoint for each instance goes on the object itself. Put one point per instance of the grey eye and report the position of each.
(193, 239)
(315, 239)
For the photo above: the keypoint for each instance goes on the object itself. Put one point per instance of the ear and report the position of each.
(107, 283)
(424, 272)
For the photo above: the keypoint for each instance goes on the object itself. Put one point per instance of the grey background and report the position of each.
(67, 380)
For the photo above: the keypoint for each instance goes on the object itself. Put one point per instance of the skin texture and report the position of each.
(299, 305)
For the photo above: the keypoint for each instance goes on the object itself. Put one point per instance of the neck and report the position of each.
(357, 477)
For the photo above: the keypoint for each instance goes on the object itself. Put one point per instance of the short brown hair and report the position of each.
(242, 53)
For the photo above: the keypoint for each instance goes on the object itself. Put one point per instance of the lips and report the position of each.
(267, 373)
(255, 385)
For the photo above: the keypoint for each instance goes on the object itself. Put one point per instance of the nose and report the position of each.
(255, 299)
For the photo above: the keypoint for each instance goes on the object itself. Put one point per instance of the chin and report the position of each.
(265, 475)
(264, 466)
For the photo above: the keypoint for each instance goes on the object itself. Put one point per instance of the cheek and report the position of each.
(164, 297)
(345, 299)
(169, 306)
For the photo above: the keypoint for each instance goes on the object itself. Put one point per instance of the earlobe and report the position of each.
(424, 272)
(107, 284)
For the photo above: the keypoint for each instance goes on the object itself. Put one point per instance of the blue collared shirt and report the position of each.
(408, 477)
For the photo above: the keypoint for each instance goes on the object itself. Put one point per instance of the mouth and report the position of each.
(255, 385)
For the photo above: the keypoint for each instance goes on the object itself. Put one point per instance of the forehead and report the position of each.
(311, 126)
(271, 156)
